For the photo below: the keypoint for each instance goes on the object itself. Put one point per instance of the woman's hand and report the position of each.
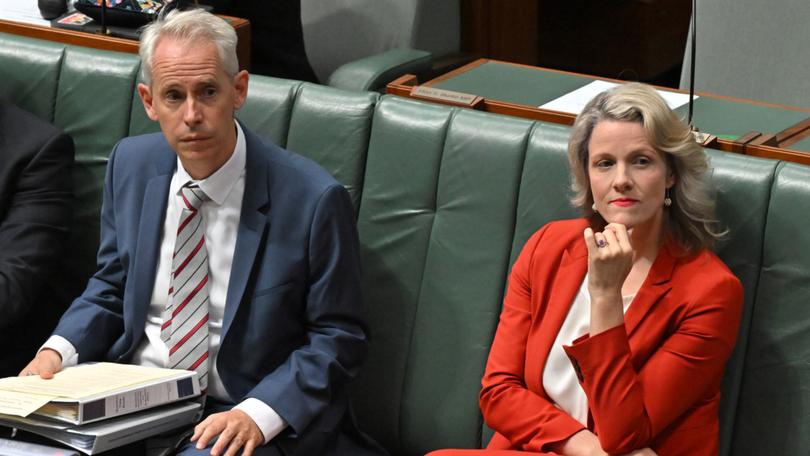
(610, 259)
(642, 452)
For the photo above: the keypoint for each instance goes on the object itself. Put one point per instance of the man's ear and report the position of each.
(240, 86)
(146, 97)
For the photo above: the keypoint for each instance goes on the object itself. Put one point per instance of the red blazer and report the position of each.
(653, 382)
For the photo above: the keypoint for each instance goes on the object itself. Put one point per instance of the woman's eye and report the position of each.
(643, 161)
(603, 164)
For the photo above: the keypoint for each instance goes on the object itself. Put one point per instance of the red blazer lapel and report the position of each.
(655, 286)
(567, 280)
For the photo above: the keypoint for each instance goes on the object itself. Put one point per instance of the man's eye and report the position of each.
(209, 91)
(172, 96)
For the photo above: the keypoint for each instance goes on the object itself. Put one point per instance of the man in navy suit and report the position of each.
(35, 196)
(281, 290)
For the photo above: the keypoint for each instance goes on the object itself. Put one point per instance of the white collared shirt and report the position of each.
(226, 188)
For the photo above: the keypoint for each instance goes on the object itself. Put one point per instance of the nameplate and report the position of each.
(446, 96)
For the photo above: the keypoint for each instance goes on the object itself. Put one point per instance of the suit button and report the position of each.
(577, 369)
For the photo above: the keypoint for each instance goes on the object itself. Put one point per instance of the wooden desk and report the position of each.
(110, 43)
(740, 125)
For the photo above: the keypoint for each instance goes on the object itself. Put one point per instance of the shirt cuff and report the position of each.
(269, 422)
(64, 348)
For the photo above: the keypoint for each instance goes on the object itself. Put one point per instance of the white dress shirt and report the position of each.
(221, 214)
(559, 378)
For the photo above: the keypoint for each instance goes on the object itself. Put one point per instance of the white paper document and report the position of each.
(93, 392)
(574, 102)
(21, 404)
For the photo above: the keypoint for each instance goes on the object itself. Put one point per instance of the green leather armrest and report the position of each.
(373, 72)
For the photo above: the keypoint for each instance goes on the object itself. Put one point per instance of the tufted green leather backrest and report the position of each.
(435, 228)
(774, 403)
(743, 186)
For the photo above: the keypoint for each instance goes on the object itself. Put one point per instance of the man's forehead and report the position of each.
(181, 58)
(171, 46)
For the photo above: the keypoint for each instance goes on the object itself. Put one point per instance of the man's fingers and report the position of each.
(199, 428)
(236, 444)
(225, 438)
(249, 447)
(42, 365)
(209, 432)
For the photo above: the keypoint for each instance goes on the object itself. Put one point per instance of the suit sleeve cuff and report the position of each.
(65, 349)
(269, 422)
(591, 355)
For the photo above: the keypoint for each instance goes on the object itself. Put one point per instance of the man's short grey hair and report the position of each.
(194, 26)
(690, 219)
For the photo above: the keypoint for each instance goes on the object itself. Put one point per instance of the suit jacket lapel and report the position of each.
(153, 214)
(567, 280)
(655, 286)
(252, 226)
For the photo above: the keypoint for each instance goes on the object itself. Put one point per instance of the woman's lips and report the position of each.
(624, 202)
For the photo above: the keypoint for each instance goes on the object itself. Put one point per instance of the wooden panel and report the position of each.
(110, 43)
(500, 30)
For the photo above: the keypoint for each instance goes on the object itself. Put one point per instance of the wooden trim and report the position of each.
(408, 80)
(72, 37)
(778, 154)
(456, 72)
(111, 43)
(794, 133)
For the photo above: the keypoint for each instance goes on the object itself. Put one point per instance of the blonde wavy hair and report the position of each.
(690, 219)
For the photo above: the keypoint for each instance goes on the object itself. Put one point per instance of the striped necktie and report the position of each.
(185, 319)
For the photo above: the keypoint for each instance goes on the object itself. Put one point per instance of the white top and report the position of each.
(221, 214)
(559, 378)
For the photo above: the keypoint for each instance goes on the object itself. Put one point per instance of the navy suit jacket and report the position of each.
(35, 203)
(292, 333)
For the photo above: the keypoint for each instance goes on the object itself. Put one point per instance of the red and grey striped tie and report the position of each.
(185, 320)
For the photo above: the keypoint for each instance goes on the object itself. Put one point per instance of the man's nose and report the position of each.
(192, 114)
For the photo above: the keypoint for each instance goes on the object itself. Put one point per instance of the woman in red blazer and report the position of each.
(616, 328)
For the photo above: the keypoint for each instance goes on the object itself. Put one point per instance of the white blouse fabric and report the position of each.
(559, 378)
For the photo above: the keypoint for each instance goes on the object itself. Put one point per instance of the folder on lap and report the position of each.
(94, 392)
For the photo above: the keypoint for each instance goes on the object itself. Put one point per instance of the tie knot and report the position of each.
(193, 196)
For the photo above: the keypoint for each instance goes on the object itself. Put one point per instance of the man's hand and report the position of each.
(45, 364)
(236, 430)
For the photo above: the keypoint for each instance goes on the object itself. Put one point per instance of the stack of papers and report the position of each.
(95, 407)
(105, 435)
(574, 102)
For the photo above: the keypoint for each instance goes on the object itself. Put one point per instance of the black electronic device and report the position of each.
(50, 9)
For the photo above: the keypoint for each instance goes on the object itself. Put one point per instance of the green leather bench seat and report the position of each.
(445, 199)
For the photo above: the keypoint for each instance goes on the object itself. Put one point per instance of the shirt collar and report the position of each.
(218, 185)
